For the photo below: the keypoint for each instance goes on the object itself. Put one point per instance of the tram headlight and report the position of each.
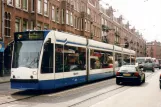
(31, 77)
(34, 72)
(13, 76)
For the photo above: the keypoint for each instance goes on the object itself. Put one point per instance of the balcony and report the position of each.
(67, 5)
(85, 15)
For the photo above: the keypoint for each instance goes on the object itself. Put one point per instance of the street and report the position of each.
(103, 93)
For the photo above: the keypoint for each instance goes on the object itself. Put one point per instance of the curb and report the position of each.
(4, 79)
(1, 82)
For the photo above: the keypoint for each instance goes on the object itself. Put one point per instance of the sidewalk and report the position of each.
(4, 79)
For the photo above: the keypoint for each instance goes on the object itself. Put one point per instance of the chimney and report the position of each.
(110, 12)
(133, 30)
(127, 25)
(120, 19)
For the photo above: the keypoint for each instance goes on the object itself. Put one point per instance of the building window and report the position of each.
(83, 7)
(116, 38)
(18, 3)
(78, 5)
(7, 24)
(32, 25)
(81, 24)
(53, 13)
(85, 25)
(38, 26)
(67, 16)
(17, 25)
(25, 4)
(75, 22)
(32, 5)
(57, 15)
(63, 15)
(95, 17)
(71, 19)
(10, 2)
(88, 26)
(46, 7)
(75, 4)
(78, 19)
(46, 26)
(102, 21)
(88, 11)
(39, 6)
(25, 25)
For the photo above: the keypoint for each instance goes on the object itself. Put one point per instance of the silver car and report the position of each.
(149, 65)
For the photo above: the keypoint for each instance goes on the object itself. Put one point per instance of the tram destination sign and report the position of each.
(33, 35)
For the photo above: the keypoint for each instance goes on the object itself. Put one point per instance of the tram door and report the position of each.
(59, 66)
(47, 71)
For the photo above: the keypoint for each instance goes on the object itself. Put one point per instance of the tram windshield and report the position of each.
(26, 54)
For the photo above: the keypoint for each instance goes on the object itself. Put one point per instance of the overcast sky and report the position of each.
(145, 15)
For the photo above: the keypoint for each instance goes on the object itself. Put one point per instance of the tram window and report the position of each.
(126, 60)
(47, 59)
(58, 58)
(100, 59)
(118, 60)
(74, 58)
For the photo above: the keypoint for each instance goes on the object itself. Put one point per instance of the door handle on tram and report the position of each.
(76, 73)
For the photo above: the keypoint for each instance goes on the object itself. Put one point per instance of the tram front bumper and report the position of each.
(24, 84)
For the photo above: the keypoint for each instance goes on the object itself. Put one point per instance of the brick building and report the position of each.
(154, 49)
(115, 32)
(82, 17)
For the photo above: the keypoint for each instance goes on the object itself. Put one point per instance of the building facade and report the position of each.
(115, 32)
(154, 49)
(81, 17)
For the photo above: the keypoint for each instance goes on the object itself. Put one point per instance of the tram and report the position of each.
(51, 59)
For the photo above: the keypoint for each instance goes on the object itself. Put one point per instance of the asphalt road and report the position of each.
(94, 94)
(147, 95)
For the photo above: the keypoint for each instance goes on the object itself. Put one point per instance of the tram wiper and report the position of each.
(35, 60)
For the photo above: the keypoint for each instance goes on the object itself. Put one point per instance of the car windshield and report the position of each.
(26, 54)
(148, 61)
(140, 60)
(127, 69)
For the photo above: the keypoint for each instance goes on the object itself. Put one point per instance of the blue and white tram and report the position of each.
(51, 59)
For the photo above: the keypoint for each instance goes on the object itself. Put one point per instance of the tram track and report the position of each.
(86, 86)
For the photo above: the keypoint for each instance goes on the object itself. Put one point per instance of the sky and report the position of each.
(145, 15)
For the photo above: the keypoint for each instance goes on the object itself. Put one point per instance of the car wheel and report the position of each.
(117, 82)
(160, 85)
(144, 70)
(153, 70)
(159, 67)
(143, 79)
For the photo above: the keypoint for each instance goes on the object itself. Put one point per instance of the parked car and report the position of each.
(149, 65)
(156, 62)
(159, 60)
(130, 73)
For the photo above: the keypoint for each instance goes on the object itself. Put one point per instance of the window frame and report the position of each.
(26, 9)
